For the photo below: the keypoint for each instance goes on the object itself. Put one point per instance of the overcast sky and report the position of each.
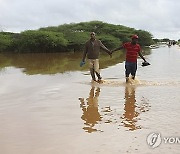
(160, 17)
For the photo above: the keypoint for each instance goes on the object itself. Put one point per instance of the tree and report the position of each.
(70, 37)
(40, 41)
(109, 40)
(145, 38)
(5, 41)
(76, 40)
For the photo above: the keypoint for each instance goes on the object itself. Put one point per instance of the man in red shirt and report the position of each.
(133, 49)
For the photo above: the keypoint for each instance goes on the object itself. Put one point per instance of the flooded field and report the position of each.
(48, 105)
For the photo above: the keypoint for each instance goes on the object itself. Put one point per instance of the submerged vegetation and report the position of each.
(69, 37)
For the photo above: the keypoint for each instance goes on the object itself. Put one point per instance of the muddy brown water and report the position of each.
(49, 106)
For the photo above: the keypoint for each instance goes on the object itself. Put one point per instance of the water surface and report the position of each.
(49, 106)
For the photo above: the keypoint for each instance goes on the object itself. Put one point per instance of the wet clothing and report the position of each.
(131, 68)
(92, 49)
(131, 58)
(94, 64)
(131, 51)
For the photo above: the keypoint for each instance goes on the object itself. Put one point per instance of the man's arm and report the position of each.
(84, 56)
(84, 53)
(104, 48)
(140, 54)
(119, 48)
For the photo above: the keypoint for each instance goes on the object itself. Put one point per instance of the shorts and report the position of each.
(131, 68)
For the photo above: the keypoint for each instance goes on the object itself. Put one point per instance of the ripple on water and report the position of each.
(131, 82)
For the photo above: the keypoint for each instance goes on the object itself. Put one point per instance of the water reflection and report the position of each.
(93, 115)
(52, 63)
(90, 114)
(131, 108)
(130, 113)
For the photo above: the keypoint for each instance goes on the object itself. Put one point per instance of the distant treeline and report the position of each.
(70, 37)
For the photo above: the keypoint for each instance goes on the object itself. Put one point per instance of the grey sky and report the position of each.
(160, 17)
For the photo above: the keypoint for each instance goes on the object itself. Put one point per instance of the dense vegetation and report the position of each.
(69, 37)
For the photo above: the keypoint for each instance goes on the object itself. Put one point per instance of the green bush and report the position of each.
(70, 37)
(41, 41)
(109, 41)
(5, 41)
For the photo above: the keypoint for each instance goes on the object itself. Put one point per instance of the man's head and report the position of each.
(93, 35)
(134, 39)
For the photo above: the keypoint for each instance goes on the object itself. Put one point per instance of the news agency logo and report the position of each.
(155, 139)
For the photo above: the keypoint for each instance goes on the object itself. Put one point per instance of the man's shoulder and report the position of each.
(97, 40)
(87, 42)
(129, 44)
(138, 45)
(126, 44)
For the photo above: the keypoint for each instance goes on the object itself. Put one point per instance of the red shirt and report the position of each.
(131, 51)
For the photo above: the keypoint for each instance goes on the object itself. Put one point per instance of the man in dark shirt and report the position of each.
(133, 49)
(92, 50)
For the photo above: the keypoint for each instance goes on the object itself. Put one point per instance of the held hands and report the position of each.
(82, 63)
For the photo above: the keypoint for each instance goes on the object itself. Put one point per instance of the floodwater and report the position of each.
(49, 106)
